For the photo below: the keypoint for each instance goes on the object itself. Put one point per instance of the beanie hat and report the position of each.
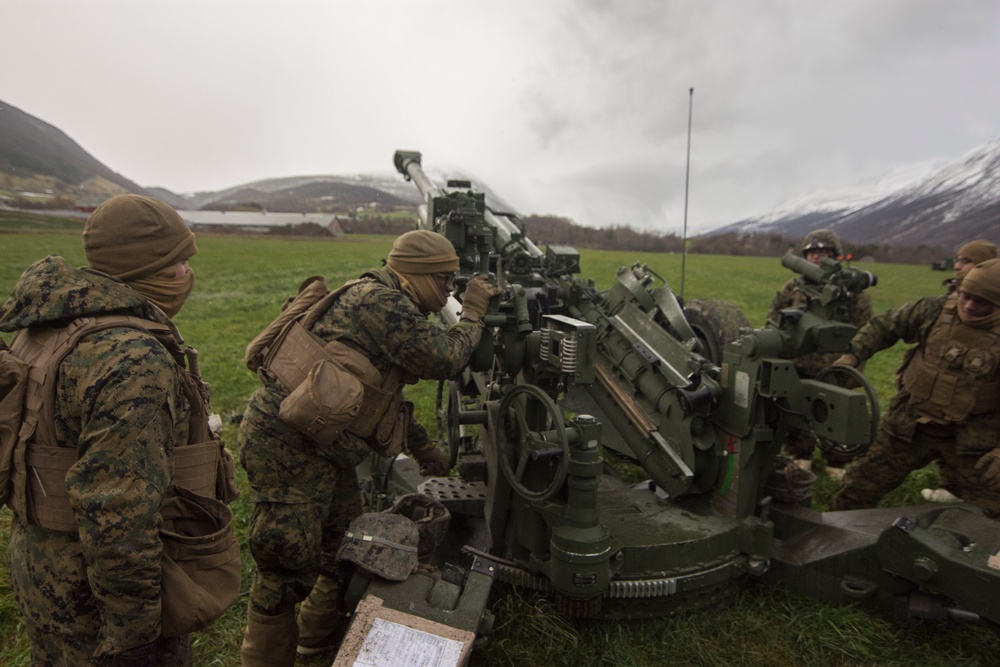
(422, 252)
(978, 251)
(984, 281)
(131, 236)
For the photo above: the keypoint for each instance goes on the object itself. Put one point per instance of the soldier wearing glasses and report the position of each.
(306, 493)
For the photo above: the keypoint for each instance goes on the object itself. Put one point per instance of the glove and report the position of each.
(989, 463)
(848, 359)
(476, 299)
(433, 462)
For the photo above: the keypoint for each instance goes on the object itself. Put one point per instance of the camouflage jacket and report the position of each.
(912, 323)
(121, 405)
(857, 311)
(379, 319)
(909, 323)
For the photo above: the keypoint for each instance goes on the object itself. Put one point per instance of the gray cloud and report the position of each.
(578, 108)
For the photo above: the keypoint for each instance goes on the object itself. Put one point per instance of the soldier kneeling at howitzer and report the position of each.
(947, 408)
(300, 456)
(817, 246)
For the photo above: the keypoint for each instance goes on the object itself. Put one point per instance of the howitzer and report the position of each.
(570, 377)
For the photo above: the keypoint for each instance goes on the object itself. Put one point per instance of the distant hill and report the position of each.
(934, 208)
(940, 205)
(305, 194)
(36, 157)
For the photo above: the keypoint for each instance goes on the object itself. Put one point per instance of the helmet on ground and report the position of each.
(822, 239)
(383, 544)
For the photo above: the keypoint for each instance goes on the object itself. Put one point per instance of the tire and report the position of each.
(715, 323)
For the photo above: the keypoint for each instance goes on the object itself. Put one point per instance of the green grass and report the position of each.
(240, 284)
(22, 221)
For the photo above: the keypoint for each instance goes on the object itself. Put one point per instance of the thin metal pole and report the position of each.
(687, 181)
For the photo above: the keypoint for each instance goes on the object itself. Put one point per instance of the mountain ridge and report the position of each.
(923, 204)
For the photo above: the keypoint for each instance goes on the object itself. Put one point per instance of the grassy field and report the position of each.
(240, 284)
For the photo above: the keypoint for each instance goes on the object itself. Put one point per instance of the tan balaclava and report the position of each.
(978, 251)
(138, 240)
(416, 256)
(983, 281)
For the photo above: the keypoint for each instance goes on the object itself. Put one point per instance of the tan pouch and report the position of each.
(391, 434)
(200, 563)
(325, 402)
(13, 383)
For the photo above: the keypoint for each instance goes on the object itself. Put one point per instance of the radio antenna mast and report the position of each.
(687, 180)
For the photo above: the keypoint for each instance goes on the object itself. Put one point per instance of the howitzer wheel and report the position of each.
(449, 428)
(516, 440)
(715, 323)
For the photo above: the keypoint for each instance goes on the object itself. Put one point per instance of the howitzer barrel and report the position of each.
(830, 272)
(804, 267)
(458, 204)
(408, 164)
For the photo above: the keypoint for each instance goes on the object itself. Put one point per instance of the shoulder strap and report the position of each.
(310, 291)
(45, 350)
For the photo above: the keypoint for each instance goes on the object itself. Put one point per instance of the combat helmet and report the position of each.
(431, 518)
(383, 544)
(822, 239)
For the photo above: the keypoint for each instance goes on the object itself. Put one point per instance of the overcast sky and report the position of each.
(572, 107)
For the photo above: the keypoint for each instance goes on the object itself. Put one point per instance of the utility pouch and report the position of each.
(13, 384)
(200, 564)
(391, 433)
(325, 403)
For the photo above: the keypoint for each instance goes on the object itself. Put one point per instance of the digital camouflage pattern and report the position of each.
(306, 493)
(903, 442)
(121, 405)
(857, 310)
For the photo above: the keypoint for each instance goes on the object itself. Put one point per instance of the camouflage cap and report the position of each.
(822, 239)
(382, 543)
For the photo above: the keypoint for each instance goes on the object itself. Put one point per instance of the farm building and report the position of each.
(259, 222)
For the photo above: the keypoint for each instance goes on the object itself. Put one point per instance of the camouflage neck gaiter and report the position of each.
(165, 289)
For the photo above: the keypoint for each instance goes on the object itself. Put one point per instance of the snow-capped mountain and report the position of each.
(924, 204)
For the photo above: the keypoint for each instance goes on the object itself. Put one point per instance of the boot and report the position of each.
(320, 620)
(269, 641)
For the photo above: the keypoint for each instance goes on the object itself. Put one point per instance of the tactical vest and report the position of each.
(38, 485)
(286, 351)
(955, 373)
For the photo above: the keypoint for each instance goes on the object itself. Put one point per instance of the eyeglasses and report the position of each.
(447, 279)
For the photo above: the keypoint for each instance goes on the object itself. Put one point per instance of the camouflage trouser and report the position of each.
(800, 444)
(49, 580)
(889, 460)
(293, 542)
(303, 504)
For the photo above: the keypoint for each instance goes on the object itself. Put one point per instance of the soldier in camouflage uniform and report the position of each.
(92, 596)
(306, 493)
(817, 246)
(970, 254)
(948, 403)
